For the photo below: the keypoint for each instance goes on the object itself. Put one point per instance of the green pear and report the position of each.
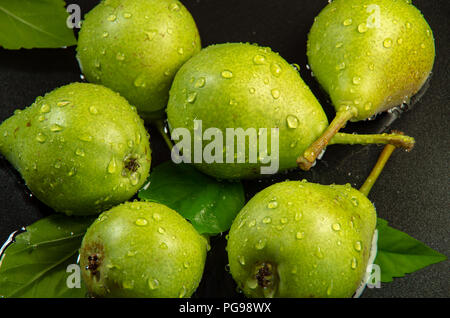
(135, 47)
(369, 56)
(142, 249)
(299, 239)
(243, 86)
(81, 148)
(303, 240)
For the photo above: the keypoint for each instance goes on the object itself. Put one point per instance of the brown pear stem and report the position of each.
(159, 124)
(308, 158)
(376, 171)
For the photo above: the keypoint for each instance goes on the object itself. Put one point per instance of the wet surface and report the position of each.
(412, 192)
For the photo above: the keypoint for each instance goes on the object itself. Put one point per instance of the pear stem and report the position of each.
(376, 171)
(308, 158)
(395, 139)
(159, 124)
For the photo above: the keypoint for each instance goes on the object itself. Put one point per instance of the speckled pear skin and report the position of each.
(238, 85)
(81, 148)
(142, 249)
(371, 54)
(135, 47)
(314, 240)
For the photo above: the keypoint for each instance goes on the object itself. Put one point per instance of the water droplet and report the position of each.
(348, 22)
(260, 244)
(138, 138)
(354, 263)
(191, 97)
(339, 45)
(63, 103)
(298, 216)
(180, 51)
(330, 289)
(134, 178)
(128, 285)
(105, 34)
(174, 7)
(153, 283)
(252, 283)
(297, 67)
(79, 152)
(371, 66)
(57, 165)
(319, 253)
(169, 31)
(141, 222)
(267, 220)
(120, 56)
(358, 246)
(273, 204)
(387, 43)
(85, 137)
(72, 172)
(140, 81)
(292, 121)
(368, 106)
(362, 28)
(127, 15)
(241, 260)
(156, 217)
(150, 35)
(340, 66)
(112, 166)
(56, 128)
(276, 69)
(300, 235)
(163, 246)
(41, 137)
(93, 110)
(40, 118)
(227, 74)
(354, 201)
(356, 80)
(252, 90)
(422, 45)
(112, 18)
(259, 59)
(399, 40)
(284, 220)
(252, 223)
(408, 25)
(336, 227)
(183, 292)
(200, 82)
(45, 108)
(161, 230)
(275, 93)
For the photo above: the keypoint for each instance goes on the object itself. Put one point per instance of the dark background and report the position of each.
(412, 193)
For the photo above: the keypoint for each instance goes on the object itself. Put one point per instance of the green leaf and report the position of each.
(34, 24)
(35, 264)
(400, 254)
(208, 204)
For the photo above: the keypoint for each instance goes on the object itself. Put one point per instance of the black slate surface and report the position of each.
(412, 193)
